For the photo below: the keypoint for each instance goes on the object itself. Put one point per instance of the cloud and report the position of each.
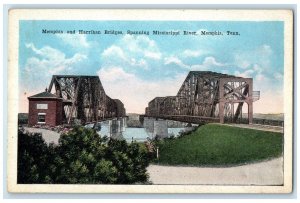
(46, 62)
(257, 68)
(245, 74)
(114, 74)
(261, 77)
(112, 52)
(211, 61)
(131, 51)
(139, 63)
(192, 53)
(260, 56)
(209, 64)
(176, 61)
(114, 55)
(242, 62)
(46, 52)
(50, 60)
(74, 40)
(139, 44)
(134, 92)
(153, 55)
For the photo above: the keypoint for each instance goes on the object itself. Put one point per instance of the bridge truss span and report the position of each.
(208, 96)
(84, 99)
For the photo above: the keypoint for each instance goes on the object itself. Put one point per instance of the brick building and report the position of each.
(45, 109)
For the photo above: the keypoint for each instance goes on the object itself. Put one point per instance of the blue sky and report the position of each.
(137, 68)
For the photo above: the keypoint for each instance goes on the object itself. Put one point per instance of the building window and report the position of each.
(41, 118)
(41, 106)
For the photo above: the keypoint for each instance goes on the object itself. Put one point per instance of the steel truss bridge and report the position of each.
(207, 96)
(84, 99)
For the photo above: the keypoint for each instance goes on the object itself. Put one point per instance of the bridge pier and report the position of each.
(114, 127)
(148, 124)
(160, 128)
(156, 127)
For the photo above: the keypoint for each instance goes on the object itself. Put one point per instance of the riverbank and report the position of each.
(220, 145)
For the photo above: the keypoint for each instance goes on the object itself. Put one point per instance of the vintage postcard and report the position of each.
(150, 101)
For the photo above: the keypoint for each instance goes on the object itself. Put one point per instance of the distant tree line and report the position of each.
(81, 156)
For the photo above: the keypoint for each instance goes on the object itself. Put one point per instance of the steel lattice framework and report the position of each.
(84, 99)
(207, 96)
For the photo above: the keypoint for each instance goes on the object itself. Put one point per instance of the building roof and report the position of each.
(44, 95)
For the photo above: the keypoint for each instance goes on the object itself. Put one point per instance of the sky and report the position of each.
(137, 68)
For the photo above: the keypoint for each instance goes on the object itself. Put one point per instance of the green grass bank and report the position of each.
(219, 145)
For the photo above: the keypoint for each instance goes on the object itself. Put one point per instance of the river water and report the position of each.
(117, 129)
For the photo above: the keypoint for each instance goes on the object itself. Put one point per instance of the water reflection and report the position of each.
(151, 128)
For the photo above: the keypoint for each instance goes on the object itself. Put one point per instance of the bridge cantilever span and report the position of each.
(84, 99)
(207, 96)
